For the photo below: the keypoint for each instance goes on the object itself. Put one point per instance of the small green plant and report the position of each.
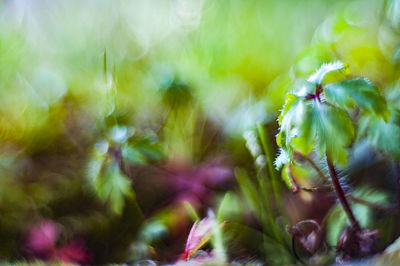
(319, 115)
(110, 161)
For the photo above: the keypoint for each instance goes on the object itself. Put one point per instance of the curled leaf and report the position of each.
(310, 240)
(199, 235)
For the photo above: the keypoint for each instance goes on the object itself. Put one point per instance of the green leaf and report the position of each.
(335, 133)
(290, 99)
(359, 92)
(385, 136)
(113, 187)
(133, 155)
(325, 69)
(149, 148)
(230, 207)
(299, 173)
(142, 150)
(307, 123)
(307, 127)
(286, 177)
(305, 88)
(151, 152)
(292, 115)
(310, 122)
(249, 191)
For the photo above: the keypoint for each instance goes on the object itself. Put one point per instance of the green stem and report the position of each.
(259, 203)
(267, 212)
(373, 205)
(270, 155)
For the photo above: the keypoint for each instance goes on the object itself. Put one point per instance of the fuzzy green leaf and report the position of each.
(335, 132)
(359, 92)
(305, 88)
(289, 100)
(325, 69)
(282, 159)
(310, 122)
(307, 128)
(291, 116)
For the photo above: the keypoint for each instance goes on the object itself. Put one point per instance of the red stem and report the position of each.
(318, 92)
(340, 194)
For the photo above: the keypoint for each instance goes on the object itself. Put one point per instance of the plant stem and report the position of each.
(372, 205)
(340, 194)
(397, 165)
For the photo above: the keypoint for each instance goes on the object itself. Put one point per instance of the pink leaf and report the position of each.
(199, 235)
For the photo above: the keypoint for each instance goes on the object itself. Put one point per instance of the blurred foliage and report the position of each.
(123, 122)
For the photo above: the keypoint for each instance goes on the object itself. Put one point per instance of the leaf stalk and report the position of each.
(341, 195)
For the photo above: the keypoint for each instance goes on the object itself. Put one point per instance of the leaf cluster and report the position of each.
(316, 116)
(111, 158)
